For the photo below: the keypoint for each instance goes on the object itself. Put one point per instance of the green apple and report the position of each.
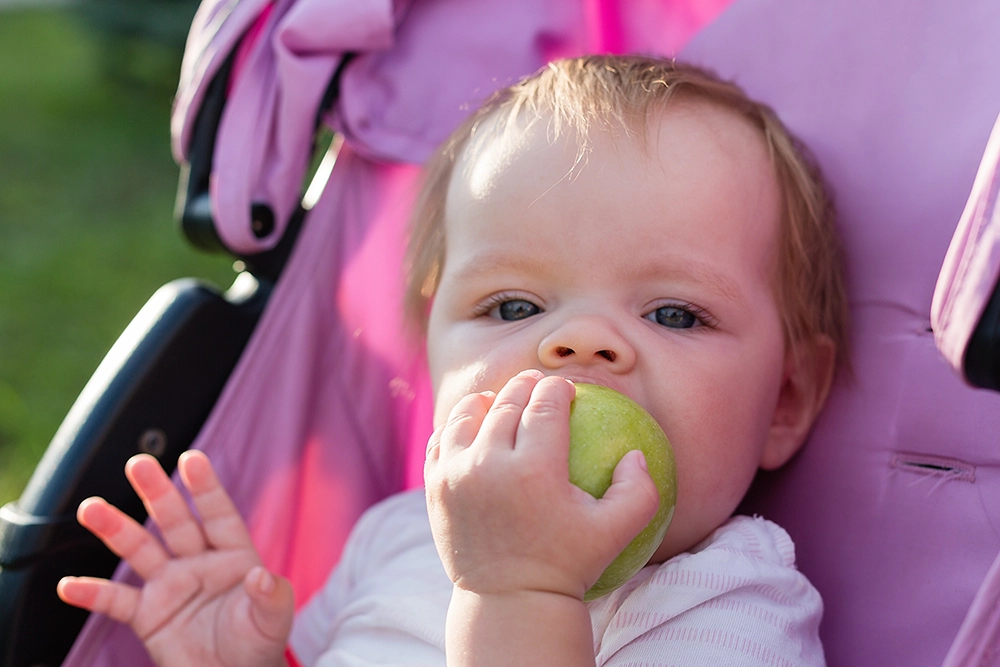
(604, 425)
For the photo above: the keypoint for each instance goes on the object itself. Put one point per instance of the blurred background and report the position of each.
(87, 188)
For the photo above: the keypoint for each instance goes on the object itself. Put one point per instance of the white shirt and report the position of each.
(736, 599)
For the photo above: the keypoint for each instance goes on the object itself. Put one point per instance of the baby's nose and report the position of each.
(587, 340)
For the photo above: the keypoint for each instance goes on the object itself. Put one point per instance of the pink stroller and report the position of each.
(893, 504)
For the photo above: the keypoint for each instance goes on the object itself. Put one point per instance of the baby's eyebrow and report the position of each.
(687, 271)
(486, 264)
(684, 271)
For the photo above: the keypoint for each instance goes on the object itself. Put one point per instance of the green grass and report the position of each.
(87, 186)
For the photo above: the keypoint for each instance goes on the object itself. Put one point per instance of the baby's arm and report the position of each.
(521, 544)
(207, 600)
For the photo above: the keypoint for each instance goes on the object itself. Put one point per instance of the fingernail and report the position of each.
(642, 461)
(265, 581)
(537, 374)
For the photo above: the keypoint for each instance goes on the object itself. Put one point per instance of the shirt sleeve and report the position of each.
(737, 599)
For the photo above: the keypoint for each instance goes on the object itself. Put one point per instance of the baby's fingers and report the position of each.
(544, 424)
(222, 524)
(181, 532)
(272, 603)
(499, 428)
(118, 601)
(631, 500)
(463, 424)
(124, 536)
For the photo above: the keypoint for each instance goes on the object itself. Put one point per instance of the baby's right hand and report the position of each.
(207, 599)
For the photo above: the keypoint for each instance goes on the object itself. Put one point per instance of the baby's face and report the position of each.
(648, 272)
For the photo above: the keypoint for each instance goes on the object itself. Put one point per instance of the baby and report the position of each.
(623, 221)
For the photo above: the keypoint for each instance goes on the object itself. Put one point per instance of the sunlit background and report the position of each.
(87, 186)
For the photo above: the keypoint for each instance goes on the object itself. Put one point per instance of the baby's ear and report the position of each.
(808, 374)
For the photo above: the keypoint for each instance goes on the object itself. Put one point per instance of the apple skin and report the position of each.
(604, 425)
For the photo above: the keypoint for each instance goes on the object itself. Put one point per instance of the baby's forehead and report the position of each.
(550, 139)
(694, 173)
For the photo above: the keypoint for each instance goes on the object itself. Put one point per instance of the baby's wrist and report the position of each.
(520, 580)
(500, 596)
(518, 627)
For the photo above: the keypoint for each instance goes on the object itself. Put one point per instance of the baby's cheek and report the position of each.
(456, 383)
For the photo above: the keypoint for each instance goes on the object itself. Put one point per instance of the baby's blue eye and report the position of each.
(515, 309)
(673, 317)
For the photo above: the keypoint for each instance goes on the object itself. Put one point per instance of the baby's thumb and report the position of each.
(273, 603)
(632, 499)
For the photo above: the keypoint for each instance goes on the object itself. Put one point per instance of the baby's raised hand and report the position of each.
(207, 599)
(505, 516)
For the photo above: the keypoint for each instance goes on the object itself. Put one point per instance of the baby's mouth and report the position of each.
(610, 383)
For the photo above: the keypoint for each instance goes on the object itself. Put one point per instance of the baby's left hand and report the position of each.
(504, 515)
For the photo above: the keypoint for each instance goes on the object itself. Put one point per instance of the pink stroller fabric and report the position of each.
(972, 266)
(893, 502)
(970, 273)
